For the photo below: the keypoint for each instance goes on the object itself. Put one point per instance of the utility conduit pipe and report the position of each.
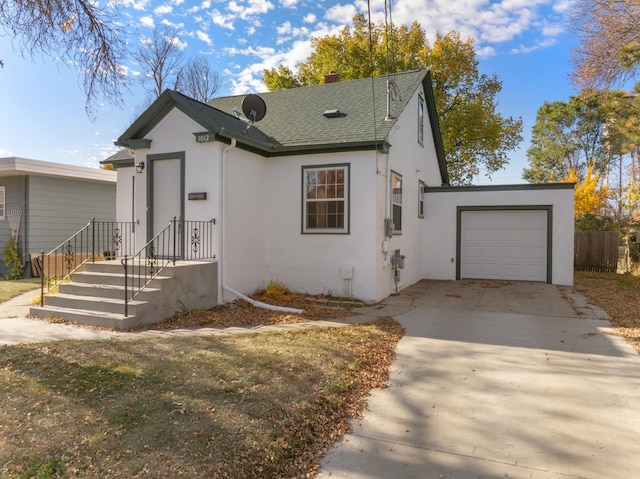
(258, 304)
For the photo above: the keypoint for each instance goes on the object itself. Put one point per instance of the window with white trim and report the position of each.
(421, 187)
(396, 201)
(2, 203)
(325, 207)
(420, 119)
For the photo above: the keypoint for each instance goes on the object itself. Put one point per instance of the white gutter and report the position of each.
(221, 261)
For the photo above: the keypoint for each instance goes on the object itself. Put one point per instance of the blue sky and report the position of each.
(524, 42)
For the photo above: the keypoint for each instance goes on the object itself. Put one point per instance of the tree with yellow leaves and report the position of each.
(589, 197)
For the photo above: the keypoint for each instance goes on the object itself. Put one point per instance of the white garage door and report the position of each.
(507, 245)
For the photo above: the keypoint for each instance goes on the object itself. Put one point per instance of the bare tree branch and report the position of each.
(198, 80)
(161, 59)
(609, 36)
(79, 34)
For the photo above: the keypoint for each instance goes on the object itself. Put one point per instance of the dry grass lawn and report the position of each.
(12, 288)
(618, 295)
(247, 406)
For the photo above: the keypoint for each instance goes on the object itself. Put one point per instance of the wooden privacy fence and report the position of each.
(596, 251)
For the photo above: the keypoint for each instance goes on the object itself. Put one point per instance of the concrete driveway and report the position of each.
(495, 380)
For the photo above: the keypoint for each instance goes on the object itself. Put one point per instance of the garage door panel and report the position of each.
(510, 245)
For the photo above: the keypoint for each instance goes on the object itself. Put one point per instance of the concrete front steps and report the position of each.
(95, 297)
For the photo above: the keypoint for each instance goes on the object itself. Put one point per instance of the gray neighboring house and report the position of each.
(51, 201)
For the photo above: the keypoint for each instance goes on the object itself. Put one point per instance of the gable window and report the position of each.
(396, 201)
(421, 187)
(325, 199)
(2, 203)
(420, 119)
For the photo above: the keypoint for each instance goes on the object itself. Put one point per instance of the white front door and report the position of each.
(166, 199)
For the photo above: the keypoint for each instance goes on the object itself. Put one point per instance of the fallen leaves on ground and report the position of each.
(242, 313)
(240, 406)
(618, 295)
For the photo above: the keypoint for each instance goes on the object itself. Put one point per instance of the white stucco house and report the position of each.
(324, 189)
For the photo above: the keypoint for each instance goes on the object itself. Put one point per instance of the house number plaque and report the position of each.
(205, 137)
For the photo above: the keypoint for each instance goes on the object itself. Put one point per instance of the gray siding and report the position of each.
(60, 207)
(14, 200)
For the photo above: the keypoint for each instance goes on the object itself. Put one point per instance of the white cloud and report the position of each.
(552, 29)
(169, 23)
(175, 41)
(5, 152)
(203, 36)
(309, 18)
(248, 10)
(340, 13)
(523, 49)
(563, 6)
(224, 21)
(163, 10)
(136, 5)
(253, 7)
(147, 21)
(123, 70)
(485, 52)
(250, 78)
(259, 52)
(284, 28)
(289, 3)
(286, 32)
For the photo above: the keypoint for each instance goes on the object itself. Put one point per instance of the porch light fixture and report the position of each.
(140, 167)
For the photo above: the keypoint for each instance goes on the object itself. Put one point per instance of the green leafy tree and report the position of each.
(567, 136)
(281, 78)
(475, 137)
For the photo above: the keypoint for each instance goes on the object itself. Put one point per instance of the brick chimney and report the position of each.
(332, 77)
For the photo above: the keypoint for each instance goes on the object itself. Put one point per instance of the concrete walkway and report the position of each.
(505, 380)
(17, 328)
(492, 380)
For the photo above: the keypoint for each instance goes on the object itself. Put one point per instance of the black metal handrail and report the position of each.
(97, 240)
(179, 240)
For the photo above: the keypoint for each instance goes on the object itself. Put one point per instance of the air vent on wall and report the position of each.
(333, 113)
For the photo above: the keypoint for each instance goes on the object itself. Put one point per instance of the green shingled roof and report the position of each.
(295, 122)
(295, 117)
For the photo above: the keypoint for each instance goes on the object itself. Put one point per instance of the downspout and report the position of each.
(221, 262)
(387, 233)
(25, 210)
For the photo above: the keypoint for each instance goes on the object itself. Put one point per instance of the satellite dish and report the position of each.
(254, 108)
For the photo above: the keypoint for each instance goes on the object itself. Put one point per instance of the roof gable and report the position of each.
(340, 116)
(208, 117)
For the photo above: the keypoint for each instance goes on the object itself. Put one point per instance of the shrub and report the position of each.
(276, 289)
(12, 259)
